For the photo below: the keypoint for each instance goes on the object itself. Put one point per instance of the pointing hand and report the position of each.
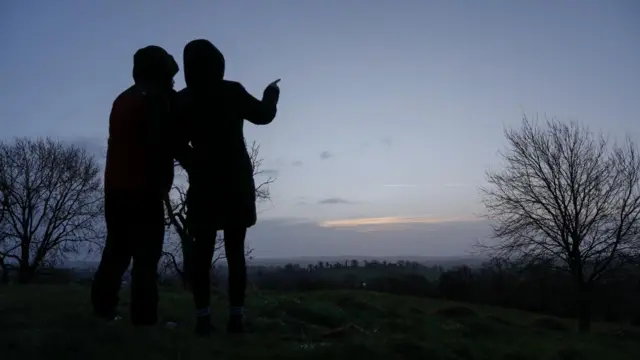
(274, 84)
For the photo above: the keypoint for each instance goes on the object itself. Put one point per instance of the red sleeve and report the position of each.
(125, 120)
(127, 131)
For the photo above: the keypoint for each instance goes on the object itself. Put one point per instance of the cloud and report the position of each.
(335, 201)
(302, 237)
(388, 141)
(325, 155)
(458, 185)
(400, 185)
(94, 146)
(392, 220)
(181, 179)
(297, 163)
(270, 172)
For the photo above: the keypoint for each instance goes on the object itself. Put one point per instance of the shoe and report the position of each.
(235, 325)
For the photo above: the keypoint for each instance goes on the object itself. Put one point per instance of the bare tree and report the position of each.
(4, 205)
(567, 197)
(176, 254)
(52, 204)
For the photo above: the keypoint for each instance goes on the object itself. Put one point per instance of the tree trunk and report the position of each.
(25, 275)
(584, 308)
(4, 272)
(184, 280)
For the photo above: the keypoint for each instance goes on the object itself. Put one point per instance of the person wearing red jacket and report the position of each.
(138, 176)
(221, 194)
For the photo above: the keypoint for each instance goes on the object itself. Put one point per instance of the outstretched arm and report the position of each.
(259, 112)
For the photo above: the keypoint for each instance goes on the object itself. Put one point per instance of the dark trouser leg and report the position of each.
(115, 257)
(201, 257)
(201, 269)
(234, 248)
(147, 250)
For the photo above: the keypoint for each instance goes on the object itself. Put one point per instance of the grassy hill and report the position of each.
(54, 322)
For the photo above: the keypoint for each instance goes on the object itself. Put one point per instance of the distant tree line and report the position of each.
(531, 287)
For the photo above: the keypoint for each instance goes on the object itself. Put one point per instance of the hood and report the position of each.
(153, 65)
(203, 63)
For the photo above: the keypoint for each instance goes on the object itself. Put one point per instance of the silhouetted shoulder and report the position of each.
(233, 89)
(182, 104)
(182, 93)
(181, 98)
(183, 109)
(125, 112)
(127, 97)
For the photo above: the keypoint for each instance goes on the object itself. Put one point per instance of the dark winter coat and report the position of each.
(212, 113)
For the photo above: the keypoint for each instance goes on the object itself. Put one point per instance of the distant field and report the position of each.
(54, 322)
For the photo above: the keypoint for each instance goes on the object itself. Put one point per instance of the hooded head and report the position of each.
(153, 65)
(203, 63)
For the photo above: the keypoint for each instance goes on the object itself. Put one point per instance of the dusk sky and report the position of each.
(390, 111)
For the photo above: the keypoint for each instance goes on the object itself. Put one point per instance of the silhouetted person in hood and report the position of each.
(221, 193)
(138, 175)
